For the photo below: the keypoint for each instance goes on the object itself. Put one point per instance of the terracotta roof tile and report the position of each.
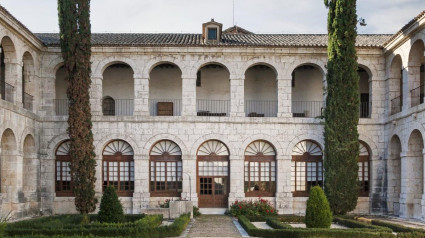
(228, 40)
(405, 27)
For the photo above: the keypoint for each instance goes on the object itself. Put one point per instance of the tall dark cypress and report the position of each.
(75, 40)
(342, 108)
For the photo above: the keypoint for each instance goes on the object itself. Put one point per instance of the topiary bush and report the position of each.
(318, 213)
(110, 209)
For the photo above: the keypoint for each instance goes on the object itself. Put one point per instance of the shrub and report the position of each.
(272, 222)
(397, 227)
(196, 212)
(110, 207)
(151, 221)
(318, 213)
(259, 207)
(358, 224)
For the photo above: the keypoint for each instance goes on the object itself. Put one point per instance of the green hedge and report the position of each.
(358, 224)
(272, 222)
(314, 232)
(292, 219)
(396, 227)
(107, 230)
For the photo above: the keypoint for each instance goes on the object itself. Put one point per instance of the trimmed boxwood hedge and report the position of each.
(275, 224)
(358, 224)
(397, 227)
(313, 232)
(104, 230)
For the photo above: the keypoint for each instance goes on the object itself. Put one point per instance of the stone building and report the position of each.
(213, 118)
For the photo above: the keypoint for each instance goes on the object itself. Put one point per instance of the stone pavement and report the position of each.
(213, 226)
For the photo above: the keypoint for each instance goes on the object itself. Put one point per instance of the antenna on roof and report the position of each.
(233, 12)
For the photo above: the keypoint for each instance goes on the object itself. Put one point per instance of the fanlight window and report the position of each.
(165, 169)
(307, 167)
(213, 147)
(63, 185)
(260, 170)
(118, 167)
(363, 174)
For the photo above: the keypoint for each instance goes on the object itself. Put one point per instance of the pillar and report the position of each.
(141, 96)
(96, 96)
(188, 95)
(284, 97)
(141, 195)
(237, 178)
(283, 185)
(189, 191)
(237, 100)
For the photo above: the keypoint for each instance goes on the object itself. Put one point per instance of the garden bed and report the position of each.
(148, 226)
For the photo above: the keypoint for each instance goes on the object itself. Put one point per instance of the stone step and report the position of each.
(212, 211)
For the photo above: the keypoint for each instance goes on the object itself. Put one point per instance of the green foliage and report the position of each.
(196, 212)
(318, 213)
(292, 219)
(311, 232)
(358, 224)
(276, 224)
(129, 229)
(75, 41)
(110, 207)
(150, 221)
(342, 108)
(258, 207)
(397, 227)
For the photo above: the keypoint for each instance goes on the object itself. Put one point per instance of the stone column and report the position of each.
(405, 90)
(411, 185)
(96, 96)
(141, 96)
(237, 99)
(188, 96)
(284, 97)
(283, 185)
(236, 176)
(141, 195)
(189, 186)
(47, 183)
(423, 183)
(47, 96)
(13, 76)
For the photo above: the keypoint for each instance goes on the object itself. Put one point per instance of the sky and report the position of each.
(187, 16)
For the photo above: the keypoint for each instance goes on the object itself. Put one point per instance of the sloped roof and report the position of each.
(236, 30)
(228, 40)
(405, 27)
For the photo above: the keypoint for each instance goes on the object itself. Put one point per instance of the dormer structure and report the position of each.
(211, 32)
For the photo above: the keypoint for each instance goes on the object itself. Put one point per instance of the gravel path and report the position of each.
(213, 226)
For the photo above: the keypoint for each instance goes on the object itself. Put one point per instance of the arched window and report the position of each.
(260, 170)
(63, 185)
(118, 167)
(306, 169)
(165, 169)
(108, 106)
(363, 171)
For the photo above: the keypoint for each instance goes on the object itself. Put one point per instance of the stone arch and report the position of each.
(264, 137)
(311, 137)
(319, 64)
(223, 138)
(413, 126)
(263, 61)
(416, 60)
(307, 90)
(162, 60)
(371, 145)
(154, 139)
(28, 82)
(100, 145)
(395, 84)
(412, 177)
(170, 74)
(8, 162)
(104, 63)
(30, 166)
(9, 49)
(197, 65)
(54, 143)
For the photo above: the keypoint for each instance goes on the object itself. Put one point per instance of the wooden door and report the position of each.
(213, 181)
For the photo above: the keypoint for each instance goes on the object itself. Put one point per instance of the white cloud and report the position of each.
(267, 16)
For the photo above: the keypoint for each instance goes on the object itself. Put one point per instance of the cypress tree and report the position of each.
(75, 41)
(342, 108)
